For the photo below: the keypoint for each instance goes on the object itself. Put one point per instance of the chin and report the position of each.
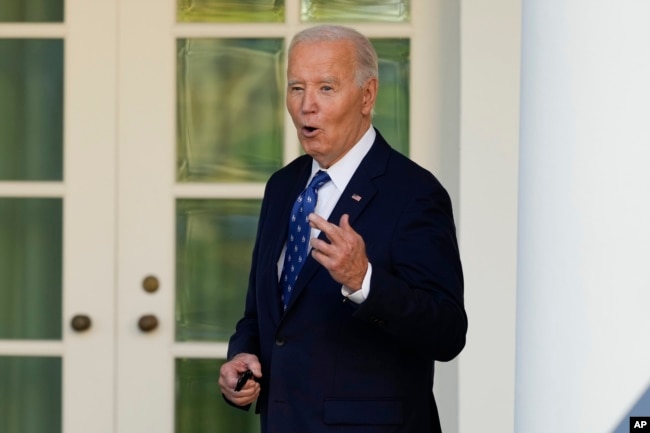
(317, 156)
(311, 147)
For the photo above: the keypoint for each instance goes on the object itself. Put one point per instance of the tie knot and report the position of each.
(319, 180)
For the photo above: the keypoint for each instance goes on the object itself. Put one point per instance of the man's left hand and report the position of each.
(345, 254)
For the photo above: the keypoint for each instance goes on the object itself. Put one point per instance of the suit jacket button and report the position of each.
(279, 341)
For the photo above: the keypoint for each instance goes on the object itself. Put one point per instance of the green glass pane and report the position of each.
(31, 11)
(214, 242)
(30, 395)
(392, 106)
(31, 109)
(200, 407)
(230, 109)
(397, 11)
(230, 11)
(30, 268)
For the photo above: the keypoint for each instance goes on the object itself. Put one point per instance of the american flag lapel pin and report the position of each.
(356, 197)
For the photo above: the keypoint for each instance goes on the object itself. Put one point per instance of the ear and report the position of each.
(369, 95)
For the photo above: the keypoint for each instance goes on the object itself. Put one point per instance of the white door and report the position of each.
(57, 215)
(173, 120)
(57, 220)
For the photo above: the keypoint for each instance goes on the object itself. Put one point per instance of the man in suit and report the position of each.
(350, 345)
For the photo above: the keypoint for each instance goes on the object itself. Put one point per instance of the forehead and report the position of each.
(321, 57)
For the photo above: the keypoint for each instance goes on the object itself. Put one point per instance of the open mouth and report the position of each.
(309, 131)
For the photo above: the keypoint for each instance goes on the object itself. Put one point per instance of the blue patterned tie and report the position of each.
(298, 239)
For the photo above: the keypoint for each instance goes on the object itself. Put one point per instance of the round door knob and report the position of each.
(80, 322)
(150, 284)
(148, 323)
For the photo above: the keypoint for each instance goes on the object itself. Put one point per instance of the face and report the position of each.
(329, 110)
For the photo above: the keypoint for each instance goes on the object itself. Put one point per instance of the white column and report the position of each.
(583, 322)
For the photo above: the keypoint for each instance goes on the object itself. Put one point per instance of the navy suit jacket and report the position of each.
(330, 365)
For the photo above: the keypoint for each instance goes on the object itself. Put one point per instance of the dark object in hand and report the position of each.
(243, 379)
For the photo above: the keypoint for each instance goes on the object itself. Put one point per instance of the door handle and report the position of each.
(80, 322)
(150, 284)
(148, 323)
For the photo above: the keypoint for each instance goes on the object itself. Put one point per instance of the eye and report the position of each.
(327, 88)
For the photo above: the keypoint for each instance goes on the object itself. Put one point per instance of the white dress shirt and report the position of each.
(328, 195)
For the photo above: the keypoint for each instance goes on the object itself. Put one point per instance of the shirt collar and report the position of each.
(343, 170)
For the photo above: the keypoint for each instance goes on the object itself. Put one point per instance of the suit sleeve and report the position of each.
(246, 337)
(416, 289)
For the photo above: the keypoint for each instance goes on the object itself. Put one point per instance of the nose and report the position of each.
(309, 103)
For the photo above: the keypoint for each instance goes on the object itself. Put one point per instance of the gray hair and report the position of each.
(367, 63)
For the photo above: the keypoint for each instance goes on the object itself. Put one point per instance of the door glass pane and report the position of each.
(30, 396)
(30, 268)
(31, 11)
(241, 11)
(230, 109)
(392, 106)
(213, 255)
(200, 407)
(31, 109)
(360, 10)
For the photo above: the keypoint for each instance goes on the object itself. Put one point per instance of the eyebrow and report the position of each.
(327, 80)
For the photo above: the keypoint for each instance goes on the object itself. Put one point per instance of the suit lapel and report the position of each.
(287, 194)
(284, 196)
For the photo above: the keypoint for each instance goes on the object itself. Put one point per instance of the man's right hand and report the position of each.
(230, 372)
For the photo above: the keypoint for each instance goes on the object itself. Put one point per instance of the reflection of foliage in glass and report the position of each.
(31, 249)
(359, 10)
(232, 11)
(230, 109)
(199, 404)
(31, 109)
(31, 396)
(31, 11)
(392, 107)
(214, 241)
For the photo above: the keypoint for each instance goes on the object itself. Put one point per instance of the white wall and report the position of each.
(576, 233)
(489, 113)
